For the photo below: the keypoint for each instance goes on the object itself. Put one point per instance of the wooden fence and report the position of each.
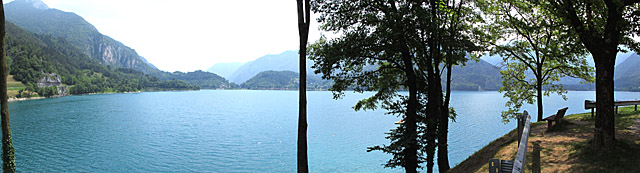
(517, 165)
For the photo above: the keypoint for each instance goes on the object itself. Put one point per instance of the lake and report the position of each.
(235, 130)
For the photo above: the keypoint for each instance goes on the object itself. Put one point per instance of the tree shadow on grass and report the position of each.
(625, 157)
(534, 157)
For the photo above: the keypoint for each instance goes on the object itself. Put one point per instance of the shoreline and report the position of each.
(14, 99)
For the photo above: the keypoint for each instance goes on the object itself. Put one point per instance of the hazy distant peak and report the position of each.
(33, 3)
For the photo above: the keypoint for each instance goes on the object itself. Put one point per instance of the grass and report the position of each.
(566, 147)
(13, 86)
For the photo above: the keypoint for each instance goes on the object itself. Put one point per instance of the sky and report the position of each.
(188, 35)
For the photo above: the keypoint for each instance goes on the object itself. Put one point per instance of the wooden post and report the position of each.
(520, 126)
(591, 112)
(636, 108)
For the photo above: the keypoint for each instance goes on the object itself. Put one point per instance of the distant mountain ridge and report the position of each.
(225, 69)
(286, 61)
(627, 74)
(284, 80)
(474, 76)
(479, 75)
(37, 17)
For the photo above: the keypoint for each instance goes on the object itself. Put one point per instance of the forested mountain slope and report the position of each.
(51, 66)
(35, 16)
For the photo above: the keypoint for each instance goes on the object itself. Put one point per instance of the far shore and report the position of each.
(14, 99)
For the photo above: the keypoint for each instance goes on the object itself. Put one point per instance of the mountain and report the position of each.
(286, 61)
(627, 75)
(287, 80)
(205, 80)
(225, 69)
(37, 17)
(49, 66)
(570, 83)
(475, 75)
(497, 59)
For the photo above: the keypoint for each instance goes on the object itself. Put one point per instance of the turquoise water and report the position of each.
(232, 131)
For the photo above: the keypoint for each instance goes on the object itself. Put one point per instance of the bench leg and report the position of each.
(549, 125)
(591, 112)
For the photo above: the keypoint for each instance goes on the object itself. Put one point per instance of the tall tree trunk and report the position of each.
(435, 118)
(434, 103)
(539, 88)
(443, 127)
(8, 157)
(604, 135)
(411, 122)
(303, 31)
(603, 48)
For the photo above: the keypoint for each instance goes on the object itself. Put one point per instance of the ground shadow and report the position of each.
(623, 157)
(535, 157)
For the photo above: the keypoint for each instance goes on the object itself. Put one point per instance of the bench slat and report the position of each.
(550, 118)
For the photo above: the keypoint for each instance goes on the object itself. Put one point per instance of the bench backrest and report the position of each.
(561, 112)
(588, 104)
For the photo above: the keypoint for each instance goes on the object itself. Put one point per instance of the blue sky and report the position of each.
(188, 35)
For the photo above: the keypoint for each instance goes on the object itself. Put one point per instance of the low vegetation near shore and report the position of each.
(565, 148)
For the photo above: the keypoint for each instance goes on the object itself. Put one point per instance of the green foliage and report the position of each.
(537, 52)
(33, 56)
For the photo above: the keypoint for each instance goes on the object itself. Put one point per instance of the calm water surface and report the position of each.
(233, 131)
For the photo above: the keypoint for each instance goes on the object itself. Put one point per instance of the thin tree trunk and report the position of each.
(303, 29)
(8, 156)
(443, 127)
(604, 135)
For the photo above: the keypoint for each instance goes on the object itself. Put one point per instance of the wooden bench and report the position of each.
(555, 117)
(588, 104)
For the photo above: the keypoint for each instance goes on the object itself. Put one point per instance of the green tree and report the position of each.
(408, 42)
(304, 18)
(374, 33)
(533, 42)
(455, 38)
(602, 27)
(8, 156)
